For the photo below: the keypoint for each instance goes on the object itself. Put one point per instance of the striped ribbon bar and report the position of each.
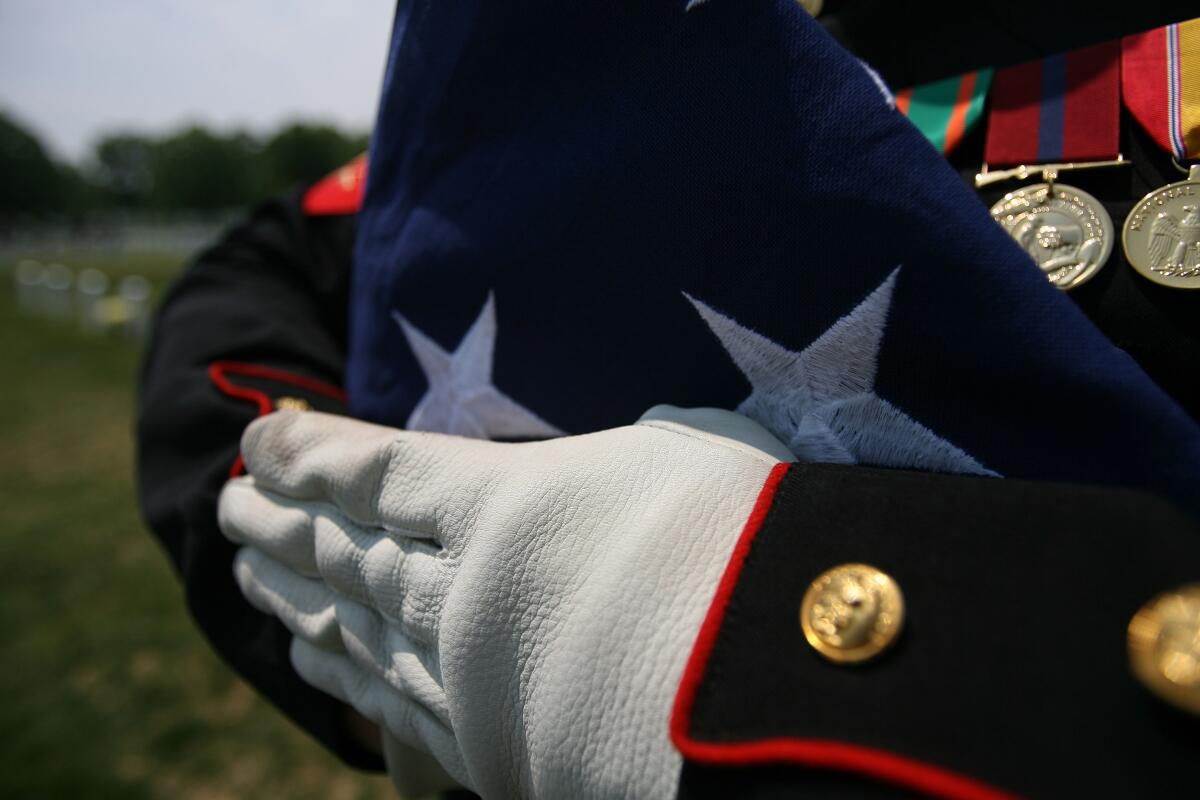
(945, 110)
(1062, 108)
(1160, 73)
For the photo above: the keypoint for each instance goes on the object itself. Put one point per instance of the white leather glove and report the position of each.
(522, 612)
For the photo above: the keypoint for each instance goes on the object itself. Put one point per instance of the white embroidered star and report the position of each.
(461, 398)
(821, 401)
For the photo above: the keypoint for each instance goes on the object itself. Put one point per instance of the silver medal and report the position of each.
(1064, 230)
(1162, 234)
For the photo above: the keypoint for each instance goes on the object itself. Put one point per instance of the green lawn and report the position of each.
(106, 688)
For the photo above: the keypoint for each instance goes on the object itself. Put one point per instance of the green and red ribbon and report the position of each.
(945, 110)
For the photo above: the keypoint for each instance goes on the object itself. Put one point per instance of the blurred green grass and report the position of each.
(106, 688)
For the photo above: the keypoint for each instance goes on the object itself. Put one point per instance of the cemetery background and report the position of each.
(108, 689)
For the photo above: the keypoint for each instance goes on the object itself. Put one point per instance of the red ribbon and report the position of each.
(1057, 109)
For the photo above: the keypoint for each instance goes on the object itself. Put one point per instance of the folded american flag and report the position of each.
(575, 211)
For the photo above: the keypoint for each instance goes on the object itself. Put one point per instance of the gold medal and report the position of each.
(1162, 234)
(1065, 230)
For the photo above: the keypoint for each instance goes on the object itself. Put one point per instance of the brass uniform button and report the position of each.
(1164, 646)
(292, 404)
(852, 613)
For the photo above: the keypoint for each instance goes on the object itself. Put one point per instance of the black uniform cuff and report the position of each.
(1011, 674)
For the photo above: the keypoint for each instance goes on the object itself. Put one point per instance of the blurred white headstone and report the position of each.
(28, 278)
(89, 291)
(135, 291)
(57, 297)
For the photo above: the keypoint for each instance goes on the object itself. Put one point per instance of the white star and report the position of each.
(821, 401)
(461, 398)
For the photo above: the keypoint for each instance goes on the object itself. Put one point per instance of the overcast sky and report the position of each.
(72, 69)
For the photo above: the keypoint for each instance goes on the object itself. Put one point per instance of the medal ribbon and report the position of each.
(1160, 72)
(1058, 109)
(945, 110)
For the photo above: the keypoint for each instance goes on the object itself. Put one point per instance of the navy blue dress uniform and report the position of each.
(712, 203)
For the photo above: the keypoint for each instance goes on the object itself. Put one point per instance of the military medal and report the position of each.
(1161, 78)
(1162, 234)
(1050, 116)
(1064, 230)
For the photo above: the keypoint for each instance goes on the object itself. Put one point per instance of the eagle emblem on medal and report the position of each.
(1173, 247)
(1162, 234)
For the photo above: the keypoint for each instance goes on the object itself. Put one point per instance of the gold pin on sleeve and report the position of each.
(852, 613)
(292, 404)
(1164, 646)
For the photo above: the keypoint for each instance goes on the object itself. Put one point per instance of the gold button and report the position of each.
(1164, 646)
(852, 613)
(292, 404)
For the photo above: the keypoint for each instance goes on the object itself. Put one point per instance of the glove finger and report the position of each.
(383, 650)
(403, 717)
(404, 481)
(279, 526)
(403, 579)
(314, 456)
(306, 607)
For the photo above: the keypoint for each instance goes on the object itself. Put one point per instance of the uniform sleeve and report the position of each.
(257, 321)
(1010, 676)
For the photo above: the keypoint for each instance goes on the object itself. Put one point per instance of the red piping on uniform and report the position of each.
(822, 753)
(340, 192)
(218, 371)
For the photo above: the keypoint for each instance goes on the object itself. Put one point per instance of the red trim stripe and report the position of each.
(340, 192)
(706, 639)
(219, 369)
(822, 753)
(218, 373)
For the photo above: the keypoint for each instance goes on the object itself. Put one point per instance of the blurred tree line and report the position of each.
(193, 169)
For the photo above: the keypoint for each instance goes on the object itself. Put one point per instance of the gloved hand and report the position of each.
(523, 612)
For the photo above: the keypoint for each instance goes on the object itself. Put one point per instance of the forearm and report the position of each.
(257, 320)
